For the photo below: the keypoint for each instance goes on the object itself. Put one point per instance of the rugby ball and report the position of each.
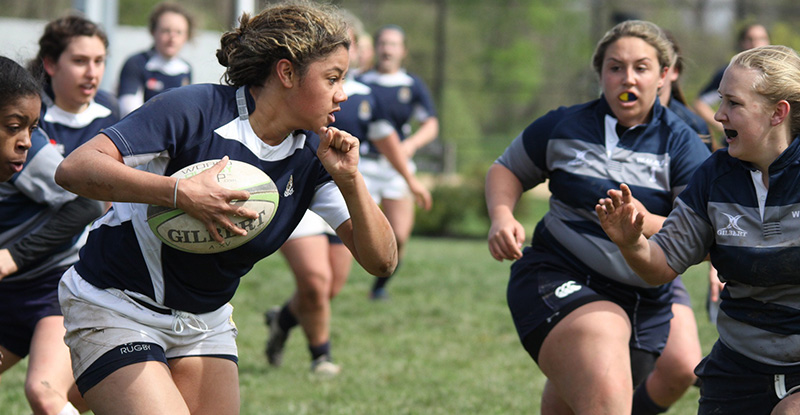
(179, 230)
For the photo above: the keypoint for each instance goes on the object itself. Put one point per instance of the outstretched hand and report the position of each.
(620, 219)
(202, 197)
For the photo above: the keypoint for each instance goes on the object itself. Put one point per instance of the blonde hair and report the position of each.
(778, 77)
(300, 31)
(647, 31)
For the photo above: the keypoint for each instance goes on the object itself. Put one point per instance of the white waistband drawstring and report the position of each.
(184, 320)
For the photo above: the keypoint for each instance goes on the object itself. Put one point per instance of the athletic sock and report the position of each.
(643, 404)
(286, 319)
(380, 282)
(321, 350)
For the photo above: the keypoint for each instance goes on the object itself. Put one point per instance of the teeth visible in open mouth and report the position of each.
(731, 133)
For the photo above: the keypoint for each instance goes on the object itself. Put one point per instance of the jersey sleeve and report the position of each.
(131, 88)
(687, 234)
(164, 124)
(379, 126)
(688, 153)
(37, 178)
(423, 105)
(526, 156)
(329, 204)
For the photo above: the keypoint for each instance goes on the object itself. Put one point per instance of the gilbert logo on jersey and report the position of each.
(289, 187)
(733, 228)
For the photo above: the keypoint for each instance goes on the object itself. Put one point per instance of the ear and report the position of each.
(780, 113)
(49, 66)
(286, 73)
(662, 77)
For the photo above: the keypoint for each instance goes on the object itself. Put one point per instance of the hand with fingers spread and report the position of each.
(338, 151)
(620, 219)
(204, 199)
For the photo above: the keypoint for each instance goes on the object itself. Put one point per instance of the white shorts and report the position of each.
(383, 181)
(311, 224)
(99, 320)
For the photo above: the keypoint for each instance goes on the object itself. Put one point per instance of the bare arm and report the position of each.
(506, 235)
(706, 112)
(367, 233)
(425, 134)
(391, 148)
(624, 224)
(96, 170)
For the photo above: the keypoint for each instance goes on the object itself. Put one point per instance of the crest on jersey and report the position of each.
(289, 187)
(733, 228)
(404, 95)
(154, 84)
(364, 111)
(580, 158)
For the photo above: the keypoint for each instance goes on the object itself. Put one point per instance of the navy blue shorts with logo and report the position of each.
(544, 288)
(735, 384)
(22, 305)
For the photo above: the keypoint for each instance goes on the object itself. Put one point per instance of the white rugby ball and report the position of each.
(179, 230)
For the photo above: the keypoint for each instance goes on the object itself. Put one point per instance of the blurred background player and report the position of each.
(148, 73)
(71, 59)
(42, 228)
(403, 97)
(317, 257)
(739, 208)
(168, 344)
(750, 36)
(592, 326)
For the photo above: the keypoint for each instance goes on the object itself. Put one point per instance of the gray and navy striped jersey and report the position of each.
(579, 151)
(753, 236)
(28, 202)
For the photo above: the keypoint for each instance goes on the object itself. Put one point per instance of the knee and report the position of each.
(315, 289)
(43, 399)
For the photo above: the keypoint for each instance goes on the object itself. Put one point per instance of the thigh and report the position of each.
(209, 385)
(789, 405)
(586, 356)
(400, 213)
(140, 388)
(341, 261)
(308, 258)
(682, 351)
(8, 359)
(49, 359)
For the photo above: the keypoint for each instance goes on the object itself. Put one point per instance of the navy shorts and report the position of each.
(680, 295)
(22, 305)
(544, 288)
(735, 384)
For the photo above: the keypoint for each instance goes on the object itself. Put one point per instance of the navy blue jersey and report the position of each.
(176, 129)
(710, 94)
(753, 236)
(28, 201)
(147, 74)
(67, 131)
(361, 115)
(694, 121)
(578, 150)
(403, 97)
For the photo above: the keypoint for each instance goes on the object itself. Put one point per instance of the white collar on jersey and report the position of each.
(240, 130)
(173, 66)
(94, 111)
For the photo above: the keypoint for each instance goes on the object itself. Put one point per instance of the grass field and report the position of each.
(443, 344)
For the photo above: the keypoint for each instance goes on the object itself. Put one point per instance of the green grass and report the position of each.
(443, 344)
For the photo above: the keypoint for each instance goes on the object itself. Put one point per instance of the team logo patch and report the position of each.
(580, 158)
(364, 111)
(404, 95)
(733, 228)
(154, 84)
(289, 187)
(567, 288)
